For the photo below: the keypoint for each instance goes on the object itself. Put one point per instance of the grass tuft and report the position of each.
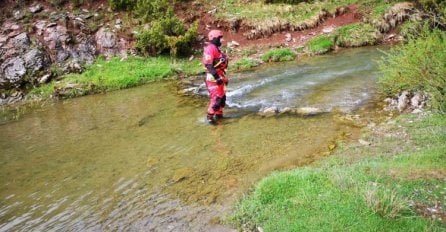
(244, 64)
(319, 45)
(279, 54)
(356, 34)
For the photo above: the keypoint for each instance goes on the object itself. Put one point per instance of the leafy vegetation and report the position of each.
(279, 54)
(418, 65)
(356, 34)
(114, 74)
(122, 4)
(319, 45)
(167, 34)
(259, 13)
(243, 64)
(360, 188)
(286, 1)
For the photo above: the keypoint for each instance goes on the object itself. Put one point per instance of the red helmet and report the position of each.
(214, 34)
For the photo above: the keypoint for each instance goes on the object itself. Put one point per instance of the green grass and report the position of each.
(279, 54)
(416, 66)
(356, 34)
(360, 188)
(257, 12)
(244, 64)
(107, 75)
(319, 45)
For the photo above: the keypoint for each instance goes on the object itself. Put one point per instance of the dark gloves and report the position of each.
(219, 81)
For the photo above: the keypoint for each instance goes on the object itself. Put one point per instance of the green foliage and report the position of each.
(259, 14)
(249, 51)
(356, 34)
(319, 45)
(167, 34)
(280, 54)
(286, 1)
(115, 74)
(122, 4)
(437, 10)
(339, 194)
(418, 65)
(410, 29)
(149, 10)
(244, 64)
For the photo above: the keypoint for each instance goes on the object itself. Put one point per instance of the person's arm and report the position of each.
(208, 63)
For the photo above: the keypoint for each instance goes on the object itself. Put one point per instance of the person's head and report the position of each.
(215, 36)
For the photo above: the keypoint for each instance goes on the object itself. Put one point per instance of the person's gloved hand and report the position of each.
(219, 81)
(225, 80)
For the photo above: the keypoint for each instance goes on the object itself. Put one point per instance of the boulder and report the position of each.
(13, 70)
(403, 101)
(36, 60)
(416, 101)
(55, 36)
(106, 42)
(36, 8)
(21, 42)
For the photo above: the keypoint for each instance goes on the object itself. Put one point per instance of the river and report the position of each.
(143, 159)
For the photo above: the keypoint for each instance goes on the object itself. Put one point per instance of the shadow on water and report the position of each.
(144, 158)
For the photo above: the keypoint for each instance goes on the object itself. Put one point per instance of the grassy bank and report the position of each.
(107, 75)
(387, 186)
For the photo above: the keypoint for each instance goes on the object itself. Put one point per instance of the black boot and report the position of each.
(218, 116)
(210, 119)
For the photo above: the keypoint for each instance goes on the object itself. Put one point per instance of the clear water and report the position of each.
(143, 159)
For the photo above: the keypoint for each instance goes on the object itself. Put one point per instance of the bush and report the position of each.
(149, 10)
(122, 4)
(418, 65)
(319, 45)
(167, 34)
(356, 34)
(280, 54)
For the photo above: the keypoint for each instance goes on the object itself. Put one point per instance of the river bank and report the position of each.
(391, 179)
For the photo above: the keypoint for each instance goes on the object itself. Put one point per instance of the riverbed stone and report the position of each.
(309, 111)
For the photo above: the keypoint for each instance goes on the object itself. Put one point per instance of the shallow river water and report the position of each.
(143, 159)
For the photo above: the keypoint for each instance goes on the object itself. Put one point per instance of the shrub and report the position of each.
(149, 10)
(280, 54)
(418, 65)
(319, 45)
(167, 34)
(122, 4)
(356, 34)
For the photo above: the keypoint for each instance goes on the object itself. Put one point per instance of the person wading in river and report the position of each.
(215, 63)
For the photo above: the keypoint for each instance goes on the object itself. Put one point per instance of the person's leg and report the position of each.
(213, 94)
